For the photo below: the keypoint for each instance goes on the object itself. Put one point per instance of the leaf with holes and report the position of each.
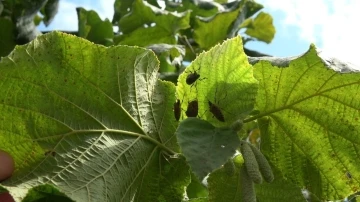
(102, 111)
(311, 134)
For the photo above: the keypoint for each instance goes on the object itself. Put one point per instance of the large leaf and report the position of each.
(94, 29)
(312, 132)
(94, 122)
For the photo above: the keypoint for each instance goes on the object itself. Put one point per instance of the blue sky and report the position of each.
(329, 24)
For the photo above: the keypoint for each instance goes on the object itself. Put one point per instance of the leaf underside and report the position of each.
(89, 120)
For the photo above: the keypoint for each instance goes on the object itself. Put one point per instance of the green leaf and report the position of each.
(196, 189)
(221, 1)
(37, 20)
(279, 190)
(204, 199)
(226, 80)
(1, 7)
(91, 27)
(121, 8)
(170, 56)
(45, 193)
(143, 13)
(2, 189)
(154, 3)
(7, 40)
(169, 76)
(146, 36)
(261, 28)
(146, 25)
(49, 11)
(201, 8)
(252, 7)
(204, 146)
(175, 177)
(311, 134)
(92, 121)
(219, 183)
(212, 30)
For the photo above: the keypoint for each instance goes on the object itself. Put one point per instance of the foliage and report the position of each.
(93, 122)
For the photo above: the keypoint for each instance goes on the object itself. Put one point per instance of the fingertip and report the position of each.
(7, 165)
(6, 197)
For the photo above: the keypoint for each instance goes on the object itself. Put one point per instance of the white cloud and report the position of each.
(106, 9)
(66, 19)
(332, 25)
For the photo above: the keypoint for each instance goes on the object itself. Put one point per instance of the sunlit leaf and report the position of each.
(312, 131)
(225, 79)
